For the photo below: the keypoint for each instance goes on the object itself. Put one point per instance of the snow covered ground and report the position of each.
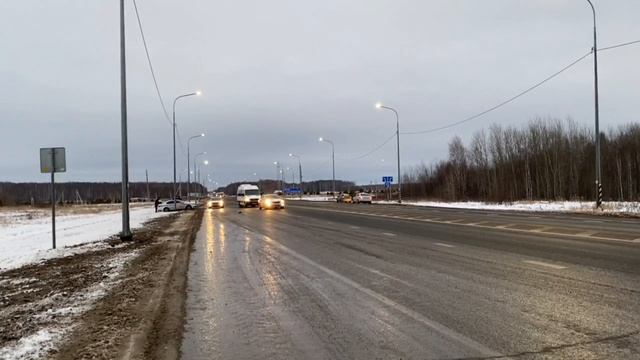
(59, 312)
(628, 208)
(25, 235)
(313, 198)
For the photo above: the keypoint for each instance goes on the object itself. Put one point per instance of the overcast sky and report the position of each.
(276, 75)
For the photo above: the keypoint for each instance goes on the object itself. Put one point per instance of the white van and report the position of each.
(248, 195)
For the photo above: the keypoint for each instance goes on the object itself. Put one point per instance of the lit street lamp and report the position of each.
(197, 93)
(333, 164)
(380, 106)
(597, 111)
(188, 163)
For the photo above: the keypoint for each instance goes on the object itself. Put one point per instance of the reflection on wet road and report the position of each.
(313, 285)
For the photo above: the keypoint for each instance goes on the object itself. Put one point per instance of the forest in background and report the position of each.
(548, 159)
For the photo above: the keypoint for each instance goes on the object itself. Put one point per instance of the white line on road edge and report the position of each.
(388, 234)
(470, 343)
(443, 244)
(553, 266)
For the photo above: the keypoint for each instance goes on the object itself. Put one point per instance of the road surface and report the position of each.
(339, 281)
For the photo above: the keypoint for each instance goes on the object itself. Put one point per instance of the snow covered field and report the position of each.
(623, 208)
(25, 235)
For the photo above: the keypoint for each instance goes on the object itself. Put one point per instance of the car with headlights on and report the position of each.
(271, 201)
(215, 202)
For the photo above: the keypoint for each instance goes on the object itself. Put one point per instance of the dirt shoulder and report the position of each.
(124, 301)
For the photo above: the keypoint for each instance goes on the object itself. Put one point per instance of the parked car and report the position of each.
(271, 201)
(363, 198)
(248, 195)
(171, 205)
(344, 198)
(216, 202)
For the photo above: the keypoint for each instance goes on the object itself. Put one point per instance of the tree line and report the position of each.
(548, 159)
(86, 192)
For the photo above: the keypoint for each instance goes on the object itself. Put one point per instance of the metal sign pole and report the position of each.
(53, 199)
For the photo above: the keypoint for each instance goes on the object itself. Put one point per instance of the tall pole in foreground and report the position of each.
(333, 164)
(197, 93)
(597, 111)
(126, 230)
(380, 106)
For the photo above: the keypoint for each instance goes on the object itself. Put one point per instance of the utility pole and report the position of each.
(380, 106)
(126, 230)
(146, 173)
(333, 164)
(597, 112)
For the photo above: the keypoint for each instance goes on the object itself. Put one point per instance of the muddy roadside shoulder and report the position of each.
(143, 316)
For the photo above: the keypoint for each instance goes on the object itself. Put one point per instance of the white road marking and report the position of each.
(435, 326)
(540, 263)
(541, 230)
(355, 227)
(383, 274)
(443, 244)
(388, 234)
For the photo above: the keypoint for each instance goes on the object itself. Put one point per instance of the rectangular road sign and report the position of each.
(53, 160)
(387, 179)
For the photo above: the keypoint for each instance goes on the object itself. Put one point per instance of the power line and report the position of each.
(473, 117)
(372, 150)
(513, 98)
(619, 45)
(153, 74)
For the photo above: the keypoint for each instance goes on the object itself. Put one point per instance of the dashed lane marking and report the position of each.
(540, 263)
(541, 230)
(443, 245)
(388, 234)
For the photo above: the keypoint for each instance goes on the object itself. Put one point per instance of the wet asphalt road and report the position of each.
(336, 281)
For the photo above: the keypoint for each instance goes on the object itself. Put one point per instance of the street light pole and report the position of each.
(333, 164)
(597, 111)
(278, 180)
(299, 171)
(197, 93)
(188, 165)
(126, 229)
(380, 106)
(195, 161)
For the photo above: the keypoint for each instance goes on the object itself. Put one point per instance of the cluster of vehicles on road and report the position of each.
(249, 195)
(358, 198)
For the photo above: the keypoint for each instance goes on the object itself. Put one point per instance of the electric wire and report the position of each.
(513, 98)
(153, 74)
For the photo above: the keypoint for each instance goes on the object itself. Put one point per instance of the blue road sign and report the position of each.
(387, 180)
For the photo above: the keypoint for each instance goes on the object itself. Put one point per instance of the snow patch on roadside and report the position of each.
(312, 198)
(630, 208)
(28, 240)
(64, 313)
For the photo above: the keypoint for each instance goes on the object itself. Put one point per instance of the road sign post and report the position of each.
(53, 160)
(387, 180)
